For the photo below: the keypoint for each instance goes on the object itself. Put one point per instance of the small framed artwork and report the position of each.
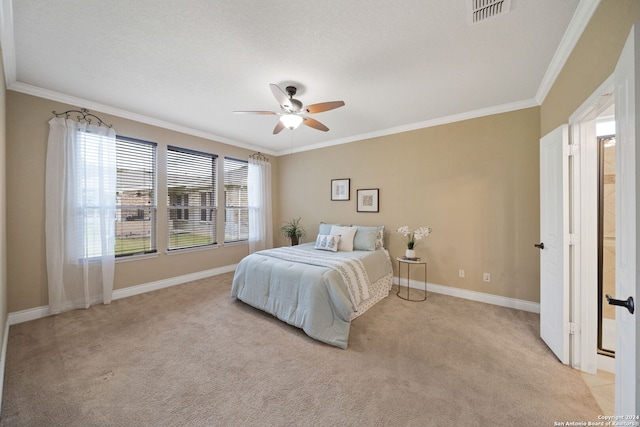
(368, 200)
(340, 189)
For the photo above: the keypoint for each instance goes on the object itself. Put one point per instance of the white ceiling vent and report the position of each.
(481, 10)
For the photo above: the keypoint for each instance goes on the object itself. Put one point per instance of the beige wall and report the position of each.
(27, 133)
(591, 62)
(474, 182)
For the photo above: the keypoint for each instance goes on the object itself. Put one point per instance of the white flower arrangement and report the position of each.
(414, 235)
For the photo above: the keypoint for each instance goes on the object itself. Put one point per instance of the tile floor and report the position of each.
(602, 386)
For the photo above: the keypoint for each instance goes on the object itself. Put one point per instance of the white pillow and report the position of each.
(346, 237)
(327, 242)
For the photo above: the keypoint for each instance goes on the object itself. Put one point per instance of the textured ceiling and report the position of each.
(397, 65)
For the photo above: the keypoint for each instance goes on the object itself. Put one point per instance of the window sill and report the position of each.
(136, 257)
(238, 243)
(194, 249)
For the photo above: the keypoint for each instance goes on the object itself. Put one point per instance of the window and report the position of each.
(191, 198)
(91, 183)
(236, 202)
(135, 197)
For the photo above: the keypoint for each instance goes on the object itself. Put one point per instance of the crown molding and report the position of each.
(498, 109)
(118, 112)
(579, 22)
(103, 108)
(7, 42)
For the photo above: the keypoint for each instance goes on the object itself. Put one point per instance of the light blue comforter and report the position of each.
(310, 297)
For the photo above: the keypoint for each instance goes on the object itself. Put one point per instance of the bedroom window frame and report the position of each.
(236, 200)
(190, 175)
(136, 197)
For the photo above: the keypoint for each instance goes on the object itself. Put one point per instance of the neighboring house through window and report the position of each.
(191, 198)
(135, 197)
(236, 209)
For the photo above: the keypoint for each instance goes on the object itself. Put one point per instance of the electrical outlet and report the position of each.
(486, 277)
(461, 273)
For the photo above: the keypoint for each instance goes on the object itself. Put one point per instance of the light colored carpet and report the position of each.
(191, 355)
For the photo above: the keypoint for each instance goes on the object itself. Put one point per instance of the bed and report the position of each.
(317, 289)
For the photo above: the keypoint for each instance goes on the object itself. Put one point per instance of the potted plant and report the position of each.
(412, 237)
(293, 230)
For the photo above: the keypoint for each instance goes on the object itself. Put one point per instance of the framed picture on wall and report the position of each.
(340, 189)
(368, 200)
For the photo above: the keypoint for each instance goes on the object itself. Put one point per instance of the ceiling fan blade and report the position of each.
(314, 124)
(256, 112)
(278, 128)
(280, 96)
(323, 106)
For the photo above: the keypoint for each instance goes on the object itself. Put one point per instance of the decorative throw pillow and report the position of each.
(380, 237)
(346, 237)
(326, 228)
(365, 238)
(327, 242)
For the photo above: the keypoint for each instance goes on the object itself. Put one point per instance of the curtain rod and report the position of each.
(259, 156)
(83, 114)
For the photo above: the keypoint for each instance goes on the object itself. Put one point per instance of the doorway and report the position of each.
(581, 238)
(594, 119)
(593, 219)
(606, 241)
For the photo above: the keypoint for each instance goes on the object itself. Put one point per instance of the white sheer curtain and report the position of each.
(80, 214)
(259, 183)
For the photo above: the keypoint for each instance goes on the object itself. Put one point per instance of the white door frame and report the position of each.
(584, 225)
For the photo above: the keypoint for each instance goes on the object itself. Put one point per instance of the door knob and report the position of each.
(628, 303)
(539, 245)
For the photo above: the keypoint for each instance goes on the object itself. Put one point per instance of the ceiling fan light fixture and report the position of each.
(291, 121)
(292, 112)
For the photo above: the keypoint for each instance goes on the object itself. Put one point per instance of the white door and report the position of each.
(554, 253)
(627, 82)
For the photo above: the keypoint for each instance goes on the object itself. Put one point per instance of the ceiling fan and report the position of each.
(292, 110)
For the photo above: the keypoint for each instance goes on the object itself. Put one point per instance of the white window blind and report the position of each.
(191, 198)
(135, 197)
(236, 209)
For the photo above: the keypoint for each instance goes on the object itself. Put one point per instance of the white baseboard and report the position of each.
(3, 360)
(40, 312)
(606, 363)
(173, 281)
(28, 314)
(518, 304)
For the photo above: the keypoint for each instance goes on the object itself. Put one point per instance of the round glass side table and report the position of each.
(409, 262)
